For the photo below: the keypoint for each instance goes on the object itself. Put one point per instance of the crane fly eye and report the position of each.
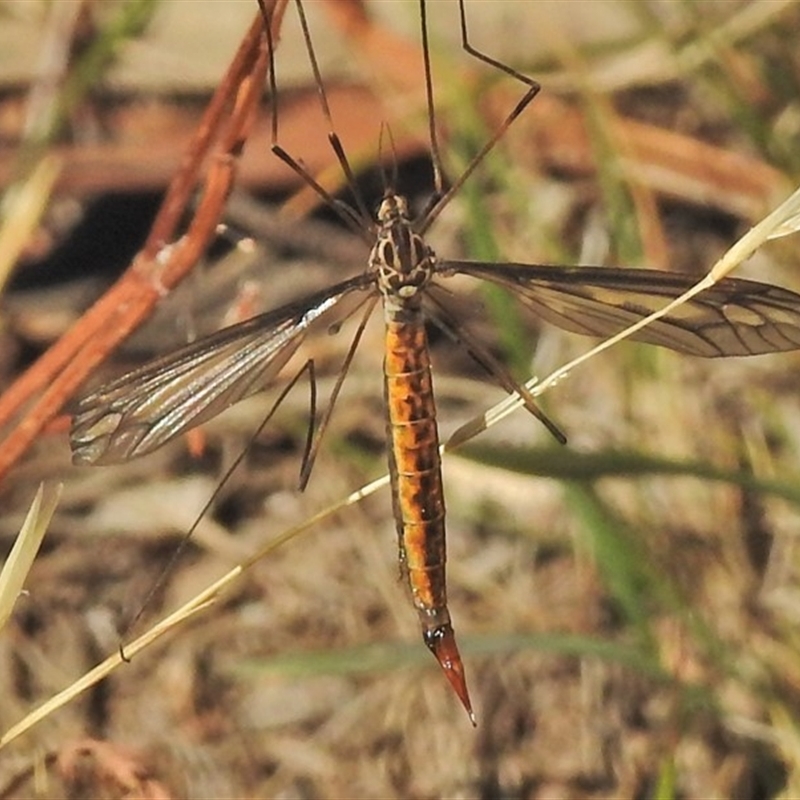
(388, 253)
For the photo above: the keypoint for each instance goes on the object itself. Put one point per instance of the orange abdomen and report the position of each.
(417, 494)
(415, 463)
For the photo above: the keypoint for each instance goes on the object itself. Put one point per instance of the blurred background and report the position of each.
(626, 606)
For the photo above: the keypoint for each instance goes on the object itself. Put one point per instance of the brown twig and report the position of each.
(160, 265)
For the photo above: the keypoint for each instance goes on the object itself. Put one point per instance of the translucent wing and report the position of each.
(144, 409)
(733, 318)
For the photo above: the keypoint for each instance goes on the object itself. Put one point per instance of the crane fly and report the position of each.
(142, 410)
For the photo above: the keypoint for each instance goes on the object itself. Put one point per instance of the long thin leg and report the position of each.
(185, 539)
(458, 333)
(313, 446)
(358, 219)
(532, 91)
(436, 156)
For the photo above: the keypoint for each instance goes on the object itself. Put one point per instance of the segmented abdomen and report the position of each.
(417, 495)
(415, 465)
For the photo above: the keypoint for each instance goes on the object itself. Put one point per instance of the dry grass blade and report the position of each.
(26, 208)
(198, 603)
(19, 562)
(106, 667)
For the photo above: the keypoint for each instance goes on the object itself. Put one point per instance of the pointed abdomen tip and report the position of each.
(442, 643)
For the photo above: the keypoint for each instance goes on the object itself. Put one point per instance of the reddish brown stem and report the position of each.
(156, 269)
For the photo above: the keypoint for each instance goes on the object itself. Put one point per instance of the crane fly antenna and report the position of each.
(387, 184)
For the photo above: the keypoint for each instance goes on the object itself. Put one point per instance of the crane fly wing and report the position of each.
(735, 317)
(144, 409)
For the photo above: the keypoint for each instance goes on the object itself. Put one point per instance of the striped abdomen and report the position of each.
(417, 496)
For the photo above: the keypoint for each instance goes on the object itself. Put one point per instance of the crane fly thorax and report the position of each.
(401, 258)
